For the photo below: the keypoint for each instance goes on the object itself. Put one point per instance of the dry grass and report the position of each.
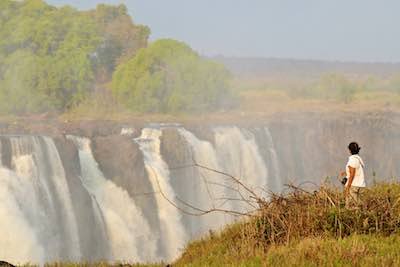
(356, 250)
(278, 101)
(303, 214)
(308, 229)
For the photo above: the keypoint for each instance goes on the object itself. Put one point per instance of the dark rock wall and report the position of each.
(121, 161)
(315, 147)
(93, 246)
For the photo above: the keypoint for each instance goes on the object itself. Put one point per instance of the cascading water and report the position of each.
(19, 240)
(172, 234)
(128, 233)
(276, 183)
(65, 209)
(37, 198)
(234, 152)
(239, 156)
(212, 190)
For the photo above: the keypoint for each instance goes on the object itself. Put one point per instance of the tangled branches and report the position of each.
(298, 213)
(302, 214)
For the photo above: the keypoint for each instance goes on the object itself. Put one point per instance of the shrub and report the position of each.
(168, 76)
(334, 86)
(303, 214)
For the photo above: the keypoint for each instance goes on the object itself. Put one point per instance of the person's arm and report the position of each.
(351, 178)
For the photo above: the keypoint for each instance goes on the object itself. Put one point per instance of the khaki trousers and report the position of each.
(353, 198)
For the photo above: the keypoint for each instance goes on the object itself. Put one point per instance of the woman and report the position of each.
(355, 176)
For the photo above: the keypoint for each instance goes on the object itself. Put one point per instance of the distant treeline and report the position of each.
(55, 59)
(341, 82)
(255, 67)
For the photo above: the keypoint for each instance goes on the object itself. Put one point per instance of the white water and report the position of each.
(45, 230)
(173, 235)
(210, 189)
(19, 240)
(276, 180)
(129, 234)
(38, 222)
(18, 237)
(57, 175)
(239, 156)
(235, 153)
(128, 131)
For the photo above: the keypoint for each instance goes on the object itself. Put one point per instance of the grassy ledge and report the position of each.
(309, 229)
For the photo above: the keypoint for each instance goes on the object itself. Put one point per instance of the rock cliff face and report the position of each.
(122, 162)
(124, 191)
(88, 229)
(317, 147)
(311, 146)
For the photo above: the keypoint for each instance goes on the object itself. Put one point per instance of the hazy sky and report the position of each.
(346, 30)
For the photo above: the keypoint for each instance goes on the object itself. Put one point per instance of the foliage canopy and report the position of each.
(50, 58)
(168, 76)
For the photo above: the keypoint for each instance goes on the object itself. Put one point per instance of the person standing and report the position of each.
(355, 177)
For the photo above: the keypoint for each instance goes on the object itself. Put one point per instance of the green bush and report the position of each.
(168, 76)
(333, 87)
(52, 58)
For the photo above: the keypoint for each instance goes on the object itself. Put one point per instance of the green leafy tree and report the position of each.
(168, 76)
(52, 56)
(121, 38)
(335, 86)
(18, 83)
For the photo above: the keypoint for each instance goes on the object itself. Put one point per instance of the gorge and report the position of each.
(130, 191)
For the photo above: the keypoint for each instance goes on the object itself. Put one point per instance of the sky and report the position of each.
(337, 30)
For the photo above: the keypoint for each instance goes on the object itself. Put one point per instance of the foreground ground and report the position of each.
(309, 229)
(305, 228)
(355, 250)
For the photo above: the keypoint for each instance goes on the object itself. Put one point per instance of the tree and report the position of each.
(335, 86)
(64, 51)
(121, 38)
(168, 76)
(17, 88)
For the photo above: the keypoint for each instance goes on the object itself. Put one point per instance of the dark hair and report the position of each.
(354, 148)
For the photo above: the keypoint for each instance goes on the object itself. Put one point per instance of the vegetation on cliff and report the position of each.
(309, 229)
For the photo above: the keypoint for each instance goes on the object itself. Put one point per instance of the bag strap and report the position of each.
(359, 160)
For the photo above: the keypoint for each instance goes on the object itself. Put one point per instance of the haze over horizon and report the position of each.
(360, 30)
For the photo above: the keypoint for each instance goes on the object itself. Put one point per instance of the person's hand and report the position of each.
(342, 174)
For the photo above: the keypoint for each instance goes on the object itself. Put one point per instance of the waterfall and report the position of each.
(277, 182)
(173, 236)
(19, 240)
(57, 205)
(129, 234)
(37, 198)
(234, 151)
(239, 156)
(210, 188)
